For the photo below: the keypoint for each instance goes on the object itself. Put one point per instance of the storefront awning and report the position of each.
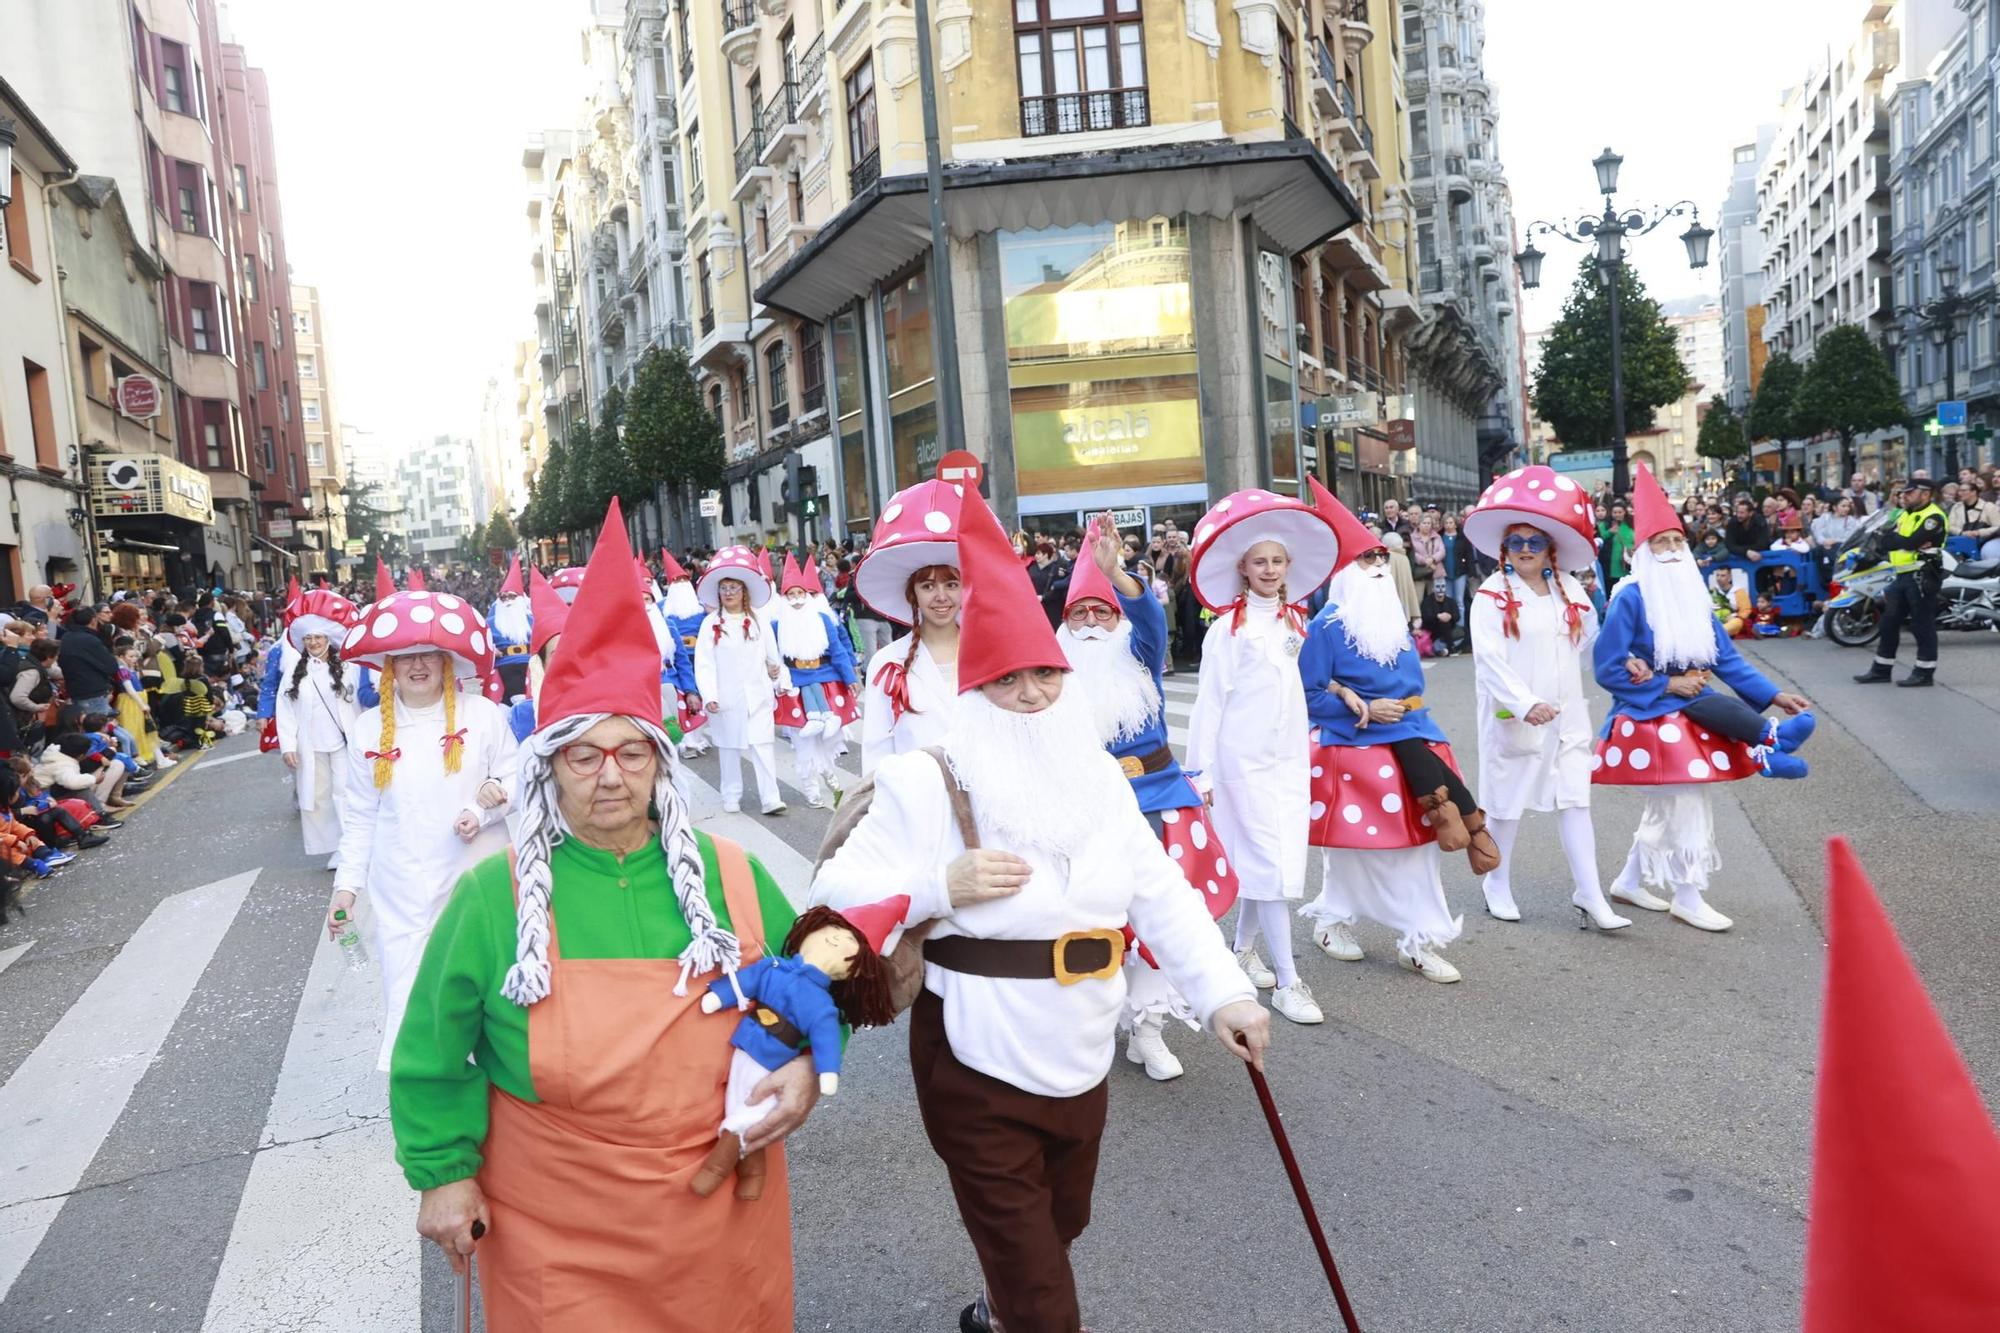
(273, 547)
(1287, 184)
(134, 544)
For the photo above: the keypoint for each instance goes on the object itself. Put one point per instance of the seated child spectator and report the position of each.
(198, 704)
(1764, 621)
(36, 808)
(135, 718)
(98, 732)
(20, 848)
(67, 767)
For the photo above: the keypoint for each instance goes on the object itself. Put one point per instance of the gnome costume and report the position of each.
(683, 611)
(315, 711)
(511, 621)
(824, 697)
(551, 614)
(911, 693)
(738, 675)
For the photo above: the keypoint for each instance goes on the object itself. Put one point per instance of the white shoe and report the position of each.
(817, 799)
(1147, 1046)
(1699, 915)
(1296, 1003)
(1500, 903)
(1597, 914)
(778, 808)
(1637, 896)
(164, 761)
(1336, 940)
(1429, 965)
(731, 807)
(1262, 977)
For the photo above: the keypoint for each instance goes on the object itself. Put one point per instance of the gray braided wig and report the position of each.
(542, 826)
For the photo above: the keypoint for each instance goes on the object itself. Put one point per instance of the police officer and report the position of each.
(1915, 545)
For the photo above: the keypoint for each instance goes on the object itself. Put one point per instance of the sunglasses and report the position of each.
(1527, 545)
(1378, 556)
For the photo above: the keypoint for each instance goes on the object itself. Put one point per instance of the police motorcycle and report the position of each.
(1968, 597)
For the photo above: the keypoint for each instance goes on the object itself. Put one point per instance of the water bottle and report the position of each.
(349, 940)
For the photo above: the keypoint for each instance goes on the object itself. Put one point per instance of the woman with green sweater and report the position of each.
(1614, 543)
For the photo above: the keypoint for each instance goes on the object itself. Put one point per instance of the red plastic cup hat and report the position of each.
(1545, 500)
(547, 612)
(1652, 512)
(1353, 535)
(320, 612)
(420, 621)
(670, 568)
(1087, 582)
(795, 577)
(1002, 627)
(415, 581)
(567, 582)
(610, 662)
(511, 585)
(733, 562)
(918, 528)
(876, 921)
(1238, 522)
(1904, 1219)
(385, 582)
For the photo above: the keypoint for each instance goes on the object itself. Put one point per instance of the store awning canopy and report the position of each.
(273, 547)
(1287, 185)
(134, 544)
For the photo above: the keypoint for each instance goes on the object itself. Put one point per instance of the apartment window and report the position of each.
(1081, 64)
(1979, 133)
(694, 181)
(211, 443)
(812, 369)
(686, 41)
(250, 278)
(174, 78)
(862, 138)
(204, 318)
(142, 48)
(41, 414)
(1982, 238)
(260, 369)
(1288, 66)
(269, 447)
(19, 252)
(310, 407)
(715, 405)
(241, 180)
(1420, 133)
(778, 381)
(90, 363)
(702, 294)
(302, 322)
(284, 402)
(308, 366)
(315, 454)
(191, 200)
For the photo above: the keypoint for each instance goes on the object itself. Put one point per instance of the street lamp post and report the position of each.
(1608, 231)
(1940, 319)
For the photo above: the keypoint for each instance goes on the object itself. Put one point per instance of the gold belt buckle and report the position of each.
(807, 663)
(1131, 767)
(1114, 938)
(1413, 703)
(687, 640)
(768, 1017)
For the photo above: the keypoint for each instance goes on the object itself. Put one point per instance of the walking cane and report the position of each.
(462, 1320)
(1305, 1200)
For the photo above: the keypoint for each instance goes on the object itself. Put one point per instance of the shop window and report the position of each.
(20, 252)
(1081, 65)
(906, 333)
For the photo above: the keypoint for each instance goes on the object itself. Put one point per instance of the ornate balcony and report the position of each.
(739, 32)
(1074, 113)
(865, 172)
(751, 173)
(779, 123)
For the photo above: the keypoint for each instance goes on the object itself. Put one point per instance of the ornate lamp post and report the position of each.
(1608, 231)
(1939, 318)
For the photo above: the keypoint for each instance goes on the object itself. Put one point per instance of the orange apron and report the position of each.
(594, 1228)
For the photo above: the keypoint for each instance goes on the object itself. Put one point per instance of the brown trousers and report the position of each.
(1022, 1168)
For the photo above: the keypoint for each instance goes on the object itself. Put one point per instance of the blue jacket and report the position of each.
(1626, 634)
(799, 993)
(274, 669)
(686, 628)
(521, 718)
(836, 665)
(1168, 789)
(507, 654)
(365, 692)
(1326, 658)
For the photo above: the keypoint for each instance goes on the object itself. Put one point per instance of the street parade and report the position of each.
(1049, 692)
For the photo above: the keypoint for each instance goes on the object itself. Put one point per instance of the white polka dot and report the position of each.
(1347, 777)
(1704, 735)
(1221, 865)
(1198, 835)
(1698, 769)
(447, 601)
(888, 537)
(1425, 820)
(892, 513)
(1386, 771)
(1318, 810)
(1371, 830)
(385, 625)
(1624, 728)
(1213, 887)
(352, 638)
(418, 596)
(1671, 734)
(1170, 816)
(422, 615)
(1222, 505)
(959, 491)
(1641, 758)
(1351, 813)
(1576, 509)
(1504, 493)
(1596, 762)
(1614, 756)
(1565, 484)
(478, 642)
(1319, 770)
(1177, 851)
(1391, 803)
(1720, 758)
(937, 521)
(839, 699)
(452, 623)
(1204, 532)
(1545, 495)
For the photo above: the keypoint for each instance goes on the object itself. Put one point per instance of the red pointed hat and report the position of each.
(764, 564)
(670, 568)
(1002, 627)
(1652, 512)
(385, 582)
(511, 585)
(610, 662)
(1354, 535)
(415, 581)
(1904, 1219)
(291, 595)
(547, 612)
(1087, 581)
(876, 921)
(1544, 499)
(810, 572)
(795, 577)
(644, 574)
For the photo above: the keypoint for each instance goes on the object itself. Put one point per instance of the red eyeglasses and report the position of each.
(586, 760)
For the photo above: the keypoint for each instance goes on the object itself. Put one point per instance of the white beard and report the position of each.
(1037, 780)
(510, 620)
(801, 632)
(681, 599)
(1371, 612)
(1678, 609)
(1123, 699)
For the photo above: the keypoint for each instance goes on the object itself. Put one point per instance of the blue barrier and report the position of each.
(1794, 596)
(1962, 548)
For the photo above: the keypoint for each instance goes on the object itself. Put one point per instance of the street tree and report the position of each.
(500, 534)
(1849, 388)
(1572, 390)
(547, 500)
(671, 438)
(370, 518)
(1720, 435)
(1772, 409)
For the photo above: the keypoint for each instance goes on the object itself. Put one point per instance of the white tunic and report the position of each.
(315, 723)
(1522, 767)
(1040, 1036)
(1247, 744)
(735, 672)
(398, 845)
(933, 699)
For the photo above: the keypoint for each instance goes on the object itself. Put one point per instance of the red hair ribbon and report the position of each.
(1510, 609)
(451, 738)
(391, 755)
(718, 629)
(1293, 614)
(894, 682)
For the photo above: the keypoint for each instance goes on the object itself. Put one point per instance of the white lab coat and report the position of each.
(398, 845)
(933, 700)
(734, 671)
(1521, 767)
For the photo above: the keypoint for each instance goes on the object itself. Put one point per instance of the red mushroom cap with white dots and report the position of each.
(421, 622)
(733, 562)
(1544, 499)
(916, 529)
(1238, 522)
(320, 612)
(567, 581)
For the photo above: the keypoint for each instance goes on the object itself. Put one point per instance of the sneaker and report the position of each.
(1778, 764)
(1262, 977)
(1336, 940)
(1427, 964)
(165, 761)
(54, 857)
(108, 822)
(1148, 1046)
(92, 840)
(1296, 1003)
(777, 809)
(731, 808)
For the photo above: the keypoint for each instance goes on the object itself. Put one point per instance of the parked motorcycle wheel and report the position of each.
(1854, 626)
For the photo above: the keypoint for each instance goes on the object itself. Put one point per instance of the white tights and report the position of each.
(1274, 920)
(1579, 844)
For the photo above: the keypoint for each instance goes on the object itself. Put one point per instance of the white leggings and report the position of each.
(1274, 920)
(762, 762)
(1579, 844)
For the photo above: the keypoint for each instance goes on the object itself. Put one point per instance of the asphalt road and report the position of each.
(1589, 1132)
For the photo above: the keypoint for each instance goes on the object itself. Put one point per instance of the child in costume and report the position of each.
(825, 694)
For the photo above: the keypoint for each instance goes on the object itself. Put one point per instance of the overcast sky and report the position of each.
(400, 125)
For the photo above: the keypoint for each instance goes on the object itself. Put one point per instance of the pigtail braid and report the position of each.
(385, 749)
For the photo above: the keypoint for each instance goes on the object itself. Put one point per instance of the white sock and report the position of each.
(1500, 881)
(1579, 840)
(1276, 920)
(1246, 924)
(1628, 878)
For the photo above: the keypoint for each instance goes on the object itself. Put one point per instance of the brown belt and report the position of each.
(805, 663)
(775, 1024)
(1139, 765)
(1081, 955)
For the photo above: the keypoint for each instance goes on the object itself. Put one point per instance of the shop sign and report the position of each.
(1343, 448)
(1128, 518)
(134, 485)
(1402, 434)
(710, 506)
(1350, 409)
(355, 546)
(1147, 443)
(1581, 460)
(138, 397)
(277, 529)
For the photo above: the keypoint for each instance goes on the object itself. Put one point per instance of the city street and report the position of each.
(1589, 1133)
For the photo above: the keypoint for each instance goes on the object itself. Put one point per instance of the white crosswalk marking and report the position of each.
(65, 1097)
(325, 1137)
(9, 956)
(792, 871)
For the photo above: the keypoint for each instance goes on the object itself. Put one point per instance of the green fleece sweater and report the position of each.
(605, 906)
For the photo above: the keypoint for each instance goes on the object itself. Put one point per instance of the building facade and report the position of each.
(325, 527)
(436, 483)
(1740, 246)
(1668, 446)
